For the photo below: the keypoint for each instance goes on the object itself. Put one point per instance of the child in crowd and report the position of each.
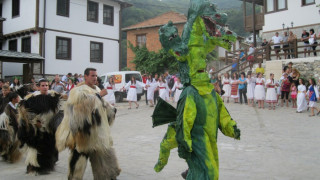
(293, 89)
(250, 88)
(301, 98)
(226, 87)
(259, 91)
(271, 97)
(313, 94)
(234, 87)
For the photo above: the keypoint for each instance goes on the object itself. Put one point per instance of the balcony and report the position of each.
(259, 22)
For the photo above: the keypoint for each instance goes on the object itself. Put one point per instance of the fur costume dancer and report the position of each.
(85, 131)
(38, 118)
(9, 143)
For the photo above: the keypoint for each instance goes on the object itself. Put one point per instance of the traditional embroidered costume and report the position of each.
(259, 91)
(271, 96)
(163, 90)
(226, 87)
(132, 90)
(234, 89)
(251, 83)
(301, 98)
(313, 94)
(110, 98)
(178, 88)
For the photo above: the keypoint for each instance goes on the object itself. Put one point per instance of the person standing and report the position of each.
(57, 85)
(285, 90)
(293, 90)
(178, 89)
(243, 87)
(251, 83)
(285, 45)
(226, 87)
(251, 58)
(276, 41)
(65, 78)
(305, 39)
(110, 87)
(234, 87)
(131, 86)
(271, 97)
(292, 39)
(301, 98)
(4, 99)
(16, 84)
(156, 91)
(260, 69)
(69, 86)
(144, 81)
(163, 86)
(313, 41)
(259, 91)
(151, 86)
(313, 94)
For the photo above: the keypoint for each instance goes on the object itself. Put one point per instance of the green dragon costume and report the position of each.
(193, 127)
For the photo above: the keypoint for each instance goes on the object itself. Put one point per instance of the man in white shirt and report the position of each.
(276, 41)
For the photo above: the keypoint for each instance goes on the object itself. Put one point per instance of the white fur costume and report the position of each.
(85, 131)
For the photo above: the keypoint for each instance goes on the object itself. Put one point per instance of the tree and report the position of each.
(153, 62)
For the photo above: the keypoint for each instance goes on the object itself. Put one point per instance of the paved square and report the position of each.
(274, 145)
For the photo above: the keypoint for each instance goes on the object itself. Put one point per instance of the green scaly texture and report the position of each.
(200, 111)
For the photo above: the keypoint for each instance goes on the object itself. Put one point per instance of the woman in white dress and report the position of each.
(251, 83)
(234, 87)
(259, 91)
(271, 97)
(178, 88)
(226, 87)
(131, 86)
(301, 98)
(151, 86)
(110, 87)
(163, 86)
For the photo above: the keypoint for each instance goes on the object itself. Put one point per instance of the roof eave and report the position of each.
(151, 26)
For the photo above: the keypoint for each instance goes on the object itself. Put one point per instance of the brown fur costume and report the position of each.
(38, 114)
(9, 143)
(85, 131)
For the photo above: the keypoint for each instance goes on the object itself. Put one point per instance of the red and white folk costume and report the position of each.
(259, 91)
(132, 90)
(271, 96)
(163, 87)
(110, 98)
(226, 87)
(178, 88)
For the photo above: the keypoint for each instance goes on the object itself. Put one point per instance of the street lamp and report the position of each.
(283, 26)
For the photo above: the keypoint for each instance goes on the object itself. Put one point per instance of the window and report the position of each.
(108, 15)
(63, 7)
(63, 48)
(141, 40)
(15, 8)
(1, 10)
(96, 52)
(270, 5)
(307, 2)
(275, 5)
(281, 4)
(26, 45)
(13, 45)
(93, 9)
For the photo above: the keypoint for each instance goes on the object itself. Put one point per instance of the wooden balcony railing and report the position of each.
(266, 53)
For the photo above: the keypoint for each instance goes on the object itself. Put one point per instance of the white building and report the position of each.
(295, 15)
(70, 35)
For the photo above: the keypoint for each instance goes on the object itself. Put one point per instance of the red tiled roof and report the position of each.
(160, 20)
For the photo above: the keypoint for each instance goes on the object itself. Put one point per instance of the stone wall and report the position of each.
(308, 67)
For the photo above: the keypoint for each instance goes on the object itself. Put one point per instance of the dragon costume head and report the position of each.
(204, 30)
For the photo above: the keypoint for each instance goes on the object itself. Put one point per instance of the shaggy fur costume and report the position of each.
(9, 143)
(38, 118)
(85, 131)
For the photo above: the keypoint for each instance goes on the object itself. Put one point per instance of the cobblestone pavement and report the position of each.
(274, 145)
